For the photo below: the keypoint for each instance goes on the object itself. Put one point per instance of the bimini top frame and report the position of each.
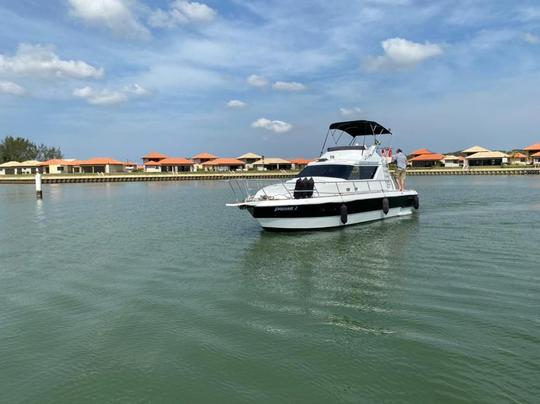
(355, 129)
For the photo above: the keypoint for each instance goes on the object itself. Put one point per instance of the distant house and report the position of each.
(130, 166)
(102, 165)
(249, 159)
(536, 159)
(58, 166)
(15, 167)
(9, 168)
(202, 158)
(518, 158)
(475, 149)
(451, 161)
(224, 164)
(299, 163)
(154, 156)
(272, 163)
(428, 160)
(176, 164)
(487, 158)
(532, 149)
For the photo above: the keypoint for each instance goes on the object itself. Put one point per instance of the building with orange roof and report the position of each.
(58, 166)
(428, 160)
(224, 164)
(536, 158)
(518, 158)
(153, 156)
(100, 165)
(152, 167)
(419, 152)
(176, 164)
(532, 149)
(299, 163)
(202, 158)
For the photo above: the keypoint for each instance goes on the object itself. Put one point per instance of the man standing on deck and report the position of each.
(401, 163)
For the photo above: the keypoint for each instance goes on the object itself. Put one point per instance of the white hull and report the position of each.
(310, 223)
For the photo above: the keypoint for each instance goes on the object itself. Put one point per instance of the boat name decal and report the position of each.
(285, 208)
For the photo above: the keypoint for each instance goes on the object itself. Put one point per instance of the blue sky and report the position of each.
(123, 77)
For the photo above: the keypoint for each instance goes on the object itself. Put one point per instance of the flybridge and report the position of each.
(354, 129)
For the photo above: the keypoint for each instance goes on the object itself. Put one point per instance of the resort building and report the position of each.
(224, 164)
(102, 165)
(154, 156)
(518, 159)
(532, 149)
(9, 168)
(249, 159)
(487, 158)
(202, 158)
(475, 149)
(451, 161)
(299, 163)
(176, 165)
(130, 166)
(428, 160)
(272, 163)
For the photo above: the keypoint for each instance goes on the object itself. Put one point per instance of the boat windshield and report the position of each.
(339, 171)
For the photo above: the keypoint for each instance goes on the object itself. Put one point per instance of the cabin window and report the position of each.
(327, 170)
(362, 172)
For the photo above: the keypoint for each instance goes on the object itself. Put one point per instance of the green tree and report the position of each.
(21, 149)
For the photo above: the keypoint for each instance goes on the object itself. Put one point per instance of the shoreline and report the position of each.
(145, 177)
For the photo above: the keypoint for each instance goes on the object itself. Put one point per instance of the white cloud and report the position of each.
(182, 12)
(349, 112)
(257, 81)
(402, 53)
(532, 39)
(11, 88)
(288, 86)
(107, 96)
(38, 60)
(236, 104)
(274, 126)
(116, 15)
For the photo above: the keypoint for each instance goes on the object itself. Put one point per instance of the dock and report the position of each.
(216, 176)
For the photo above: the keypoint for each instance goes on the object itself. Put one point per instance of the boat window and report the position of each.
(362, 172)
(327, 170)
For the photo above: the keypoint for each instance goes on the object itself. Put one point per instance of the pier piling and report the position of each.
(39, 191)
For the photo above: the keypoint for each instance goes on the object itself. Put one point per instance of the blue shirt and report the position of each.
(401, 161)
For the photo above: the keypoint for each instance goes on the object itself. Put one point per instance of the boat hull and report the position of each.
(310, 216)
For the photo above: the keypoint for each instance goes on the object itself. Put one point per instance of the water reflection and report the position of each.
(337, 276)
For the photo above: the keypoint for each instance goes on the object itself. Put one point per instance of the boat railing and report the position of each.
(245, 190)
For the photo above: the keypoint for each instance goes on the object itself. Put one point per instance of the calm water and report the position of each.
(156, 292)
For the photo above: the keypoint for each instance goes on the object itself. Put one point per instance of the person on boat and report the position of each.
(401, 162)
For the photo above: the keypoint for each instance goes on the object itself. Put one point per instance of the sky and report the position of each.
(121, 78)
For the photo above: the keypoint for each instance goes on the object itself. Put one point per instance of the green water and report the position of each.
(156, 292)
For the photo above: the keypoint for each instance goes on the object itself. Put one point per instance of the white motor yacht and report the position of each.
(346, 185)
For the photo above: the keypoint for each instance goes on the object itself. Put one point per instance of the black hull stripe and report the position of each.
(329, 209)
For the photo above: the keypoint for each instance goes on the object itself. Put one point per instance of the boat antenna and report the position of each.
(324, 144)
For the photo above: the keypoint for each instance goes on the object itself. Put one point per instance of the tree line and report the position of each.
(21, 149)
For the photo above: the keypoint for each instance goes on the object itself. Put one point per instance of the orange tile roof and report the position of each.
(224, 162)
(155, 155)
(205, 156)
(420, 152)
(152, 163)
(533, 147)
(428, 157)
(99, 161)
(180, 161)
(519, 155)
(300, 160)
(536, 154)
